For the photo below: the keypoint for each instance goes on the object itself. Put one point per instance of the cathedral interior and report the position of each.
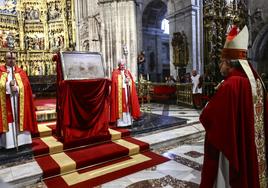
(162, 41)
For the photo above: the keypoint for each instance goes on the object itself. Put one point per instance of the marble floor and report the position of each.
(184, 168)
(192, 115)
(182, 144)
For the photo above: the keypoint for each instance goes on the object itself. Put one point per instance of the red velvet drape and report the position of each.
(82, 107)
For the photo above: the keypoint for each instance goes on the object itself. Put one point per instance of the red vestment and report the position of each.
(116, 101)
(26, 111)
(228, 120)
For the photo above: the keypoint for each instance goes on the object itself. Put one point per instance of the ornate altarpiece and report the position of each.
(218, 18)
(39, 28)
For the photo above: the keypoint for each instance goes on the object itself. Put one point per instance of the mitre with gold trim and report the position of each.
(236, 44)
(235, 48)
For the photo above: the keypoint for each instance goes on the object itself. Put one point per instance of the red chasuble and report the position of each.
(228, 120)
(26, 113)
(117, 99)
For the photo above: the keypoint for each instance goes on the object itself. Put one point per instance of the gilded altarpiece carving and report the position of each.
(39, 28)
(219, 16)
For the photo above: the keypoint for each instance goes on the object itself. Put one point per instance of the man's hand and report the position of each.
(127, 80)
(13, 87)
(12, 83)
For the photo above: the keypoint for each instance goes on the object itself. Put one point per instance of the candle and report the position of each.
(147, 76)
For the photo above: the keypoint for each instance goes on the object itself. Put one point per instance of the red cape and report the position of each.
(228, 120)
(134, 102)
(29, 117)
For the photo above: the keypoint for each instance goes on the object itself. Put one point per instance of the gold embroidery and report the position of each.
(259, 134)
(21, 100)
(120, 110)
(3, 80)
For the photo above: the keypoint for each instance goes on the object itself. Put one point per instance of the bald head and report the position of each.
(121, 64)
(194, 72)
(10, 59)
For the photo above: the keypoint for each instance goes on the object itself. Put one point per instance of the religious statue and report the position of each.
(54, 11)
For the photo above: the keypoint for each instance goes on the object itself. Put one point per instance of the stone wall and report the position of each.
(106, 26)
(152, 40)
(258, 44)
(184, 15)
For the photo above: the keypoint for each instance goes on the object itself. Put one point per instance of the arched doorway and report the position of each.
(155, 41)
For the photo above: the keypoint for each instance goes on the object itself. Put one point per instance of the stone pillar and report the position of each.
(139, 11)
(184, 15)
(119, 28)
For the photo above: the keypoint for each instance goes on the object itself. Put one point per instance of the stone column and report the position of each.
(184, 15)
(139, 11)
(119, 28)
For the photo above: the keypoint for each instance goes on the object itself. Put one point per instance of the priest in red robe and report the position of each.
(124, 100)
(235, 121)
(15, 94)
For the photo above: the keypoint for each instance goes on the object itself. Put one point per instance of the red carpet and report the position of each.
(45, 102)
(39, 147)
(90, 162)
(60, 182)
(86, 156)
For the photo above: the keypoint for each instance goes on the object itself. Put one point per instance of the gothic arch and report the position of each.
(147, 2)
(155, 42)
(153, 13)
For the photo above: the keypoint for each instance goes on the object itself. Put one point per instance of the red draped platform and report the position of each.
(90, 162)
(82, 107)
(80, 150)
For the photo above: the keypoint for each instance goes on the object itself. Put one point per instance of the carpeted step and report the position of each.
(45, 129)
(90, 162)
(51, 145)
(45, 102)
(102, 173)
(71, 160)
(49, 129)
(46, 115)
